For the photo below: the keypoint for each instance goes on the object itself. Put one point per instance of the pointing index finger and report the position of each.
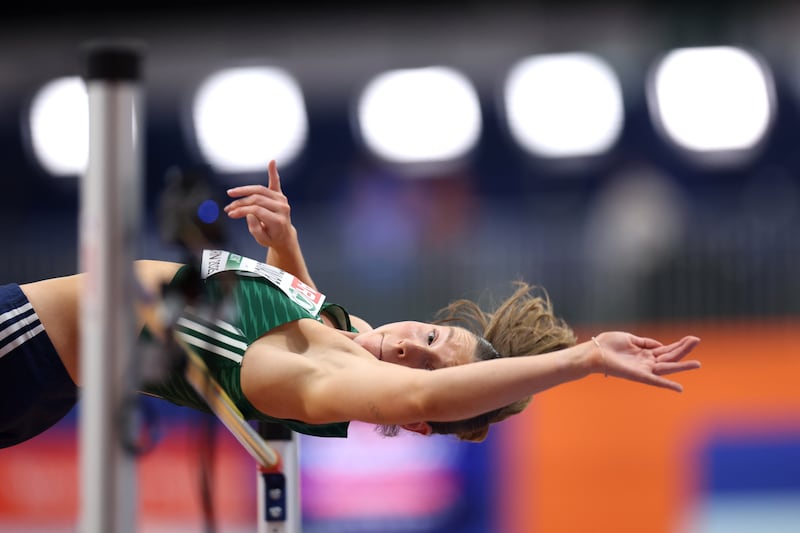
(274, 177)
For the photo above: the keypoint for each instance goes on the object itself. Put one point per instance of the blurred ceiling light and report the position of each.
(244, 117)
(712, 99)
(59, 126)
(419, 115)
(563, 105)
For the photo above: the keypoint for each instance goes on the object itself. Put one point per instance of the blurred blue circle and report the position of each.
(208, 211)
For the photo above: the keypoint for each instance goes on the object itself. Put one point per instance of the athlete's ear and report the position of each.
(423, 428)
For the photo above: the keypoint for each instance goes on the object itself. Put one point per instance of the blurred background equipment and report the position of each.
(189, 211)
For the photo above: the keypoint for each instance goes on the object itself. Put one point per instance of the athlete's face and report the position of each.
(420, 345)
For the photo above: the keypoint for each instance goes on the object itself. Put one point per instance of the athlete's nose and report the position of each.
(408, 349)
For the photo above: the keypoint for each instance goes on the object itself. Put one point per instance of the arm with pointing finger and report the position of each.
(268, 216)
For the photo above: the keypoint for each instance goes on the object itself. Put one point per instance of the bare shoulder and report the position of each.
(311, 340)
(281, 367)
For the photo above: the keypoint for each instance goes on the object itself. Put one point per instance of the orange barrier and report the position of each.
(610, 456)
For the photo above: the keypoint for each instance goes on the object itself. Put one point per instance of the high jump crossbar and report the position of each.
(206, 386)
(274, 448)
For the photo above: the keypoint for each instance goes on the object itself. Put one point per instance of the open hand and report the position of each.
(644, 360)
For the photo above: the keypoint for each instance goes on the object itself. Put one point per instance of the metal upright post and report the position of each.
(109, 226)
(279, 488)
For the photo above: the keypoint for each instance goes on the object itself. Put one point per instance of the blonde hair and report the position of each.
(524, 324)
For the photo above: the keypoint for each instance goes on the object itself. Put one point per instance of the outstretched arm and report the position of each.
(268, 216)
(320, 387)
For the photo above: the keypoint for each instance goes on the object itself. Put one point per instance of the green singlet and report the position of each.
(255, 307)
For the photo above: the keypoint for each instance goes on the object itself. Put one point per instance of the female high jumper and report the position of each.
(286, 355)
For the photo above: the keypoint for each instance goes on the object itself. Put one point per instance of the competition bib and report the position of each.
(216, 261)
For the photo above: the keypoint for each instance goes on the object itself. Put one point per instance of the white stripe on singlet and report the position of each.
(219, 337)
(198, 316)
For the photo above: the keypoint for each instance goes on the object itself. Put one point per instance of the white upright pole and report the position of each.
(278, 491)
(109, 224)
